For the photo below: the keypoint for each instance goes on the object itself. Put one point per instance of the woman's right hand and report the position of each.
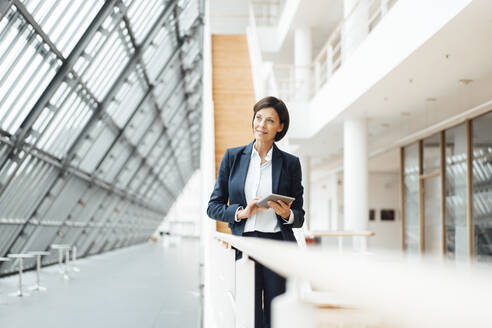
(250, 210)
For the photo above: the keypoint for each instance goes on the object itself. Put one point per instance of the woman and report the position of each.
(246, 175)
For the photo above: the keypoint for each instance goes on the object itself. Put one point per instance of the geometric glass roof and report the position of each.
(100, 119)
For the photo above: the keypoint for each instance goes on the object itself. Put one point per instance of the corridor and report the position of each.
(144, 286)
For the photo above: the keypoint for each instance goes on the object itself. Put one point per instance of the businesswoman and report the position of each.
(249, 173)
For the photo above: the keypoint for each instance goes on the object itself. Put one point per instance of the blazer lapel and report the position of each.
(243, 168)
(276, 168)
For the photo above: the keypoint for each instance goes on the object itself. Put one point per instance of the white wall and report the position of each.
(185, 209)
(384, 191)
(324, 203)
(327, 206)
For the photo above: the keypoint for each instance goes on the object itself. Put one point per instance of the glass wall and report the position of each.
(431, 188)
(431, 154)
(411, 189)
(456, 193)
(448, 208)
(482, 186)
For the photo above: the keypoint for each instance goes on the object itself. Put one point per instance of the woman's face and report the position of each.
(266, 124)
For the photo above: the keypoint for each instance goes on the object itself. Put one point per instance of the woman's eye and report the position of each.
(270, 121)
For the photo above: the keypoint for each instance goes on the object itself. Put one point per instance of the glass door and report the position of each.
(432, 215)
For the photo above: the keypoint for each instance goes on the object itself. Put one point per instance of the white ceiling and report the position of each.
(397, 105)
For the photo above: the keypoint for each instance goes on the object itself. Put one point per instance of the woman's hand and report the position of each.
(251, 209)
(281, 208)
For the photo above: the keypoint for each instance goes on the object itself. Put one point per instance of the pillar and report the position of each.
(355, 178)
(302, 58)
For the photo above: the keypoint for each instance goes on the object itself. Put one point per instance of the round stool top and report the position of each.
(40, 253)
(4, 259)
(60, 246)
(18, 256)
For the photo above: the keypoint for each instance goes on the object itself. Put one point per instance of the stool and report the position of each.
(74, 258)
(20, 258)
(61, 248)
(38, 255)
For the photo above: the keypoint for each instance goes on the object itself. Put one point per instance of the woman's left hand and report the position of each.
(280, 208)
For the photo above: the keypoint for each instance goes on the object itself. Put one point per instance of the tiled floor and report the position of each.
(149, 285)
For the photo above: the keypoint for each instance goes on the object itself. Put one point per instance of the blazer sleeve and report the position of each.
(218, 209)
(298, 191)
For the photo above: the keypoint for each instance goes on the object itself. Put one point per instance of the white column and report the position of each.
(356, 26)
(207, 168)
(306, 183)
(355, 178)
(302, 58)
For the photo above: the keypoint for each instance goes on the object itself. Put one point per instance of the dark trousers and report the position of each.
(268, 284)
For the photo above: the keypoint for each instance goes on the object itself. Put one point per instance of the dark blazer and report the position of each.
(228, 192)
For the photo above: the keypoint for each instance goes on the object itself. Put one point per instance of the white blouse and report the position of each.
(259, 184)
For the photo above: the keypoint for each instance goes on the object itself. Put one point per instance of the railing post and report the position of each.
(288, 310)
(329, 62)
(225, 278)
(245, 293)
(317, 80)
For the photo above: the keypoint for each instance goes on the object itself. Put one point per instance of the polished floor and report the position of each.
(150, 285)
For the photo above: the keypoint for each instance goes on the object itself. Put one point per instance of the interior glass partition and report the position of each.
(431, 197)
(412, 199)
(456, 193)
(482, 186)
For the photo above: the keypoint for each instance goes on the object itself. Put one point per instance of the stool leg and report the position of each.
(20, 275)
(60, 260)
(38, 267)
(38, 287)
(67, 259)
(74, 258)
(20, 292)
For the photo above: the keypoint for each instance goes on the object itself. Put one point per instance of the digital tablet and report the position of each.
(274, 197)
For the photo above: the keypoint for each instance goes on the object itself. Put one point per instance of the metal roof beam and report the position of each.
(64, 70)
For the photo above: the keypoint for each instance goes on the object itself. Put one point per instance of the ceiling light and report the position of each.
(465, 81)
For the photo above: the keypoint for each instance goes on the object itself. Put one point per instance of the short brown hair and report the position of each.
(281, 110)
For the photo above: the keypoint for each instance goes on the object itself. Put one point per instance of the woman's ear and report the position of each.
(281, 127)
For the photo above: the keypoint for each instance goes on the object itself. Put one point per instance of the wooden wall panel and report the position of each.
(233, 96)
